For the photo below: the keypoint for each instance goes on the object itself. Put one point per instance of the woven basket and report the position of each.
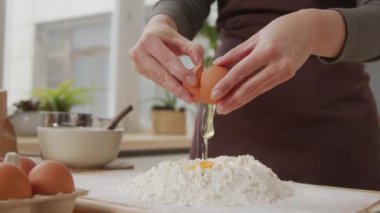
(168, 122)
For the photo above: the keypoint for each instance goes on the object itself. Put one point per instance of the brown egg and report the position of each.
(207, 81)
(50, 178)
(14, 183)
(27, 164)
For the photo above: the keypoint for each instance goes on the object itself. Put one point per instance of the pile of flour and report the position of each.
(230, 181)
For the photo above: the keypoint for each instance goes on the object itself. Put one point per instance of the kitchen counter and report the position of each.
(103, 185)
(131, 143)
(103, 197)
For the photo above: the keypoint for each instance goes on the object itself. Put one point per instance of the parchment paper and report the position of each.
(308, 198)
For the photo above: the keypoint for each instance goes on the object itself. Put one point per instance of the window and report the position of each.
(76, 49)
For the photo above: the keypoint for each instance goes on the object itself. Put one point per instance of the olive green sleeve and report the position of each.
(362, 33)
(189, 15)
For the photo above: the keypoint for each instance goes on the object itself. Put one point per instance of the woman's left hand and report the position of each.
(273, 55)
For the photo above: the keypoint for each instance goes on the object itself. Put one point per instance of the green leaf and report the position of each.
(63, 97)
(169, 101)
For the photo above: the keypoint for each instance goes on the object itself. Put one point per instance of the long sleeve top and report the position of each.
(362, 22)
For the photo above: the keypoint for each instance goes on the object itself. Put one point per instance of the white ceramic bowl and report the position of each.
(80, 147)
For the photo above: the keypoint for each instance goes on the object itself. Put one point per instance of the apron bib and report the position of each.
(320, 127)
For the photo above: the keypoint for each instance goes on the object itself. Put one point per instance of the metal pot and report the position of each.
(66, 119)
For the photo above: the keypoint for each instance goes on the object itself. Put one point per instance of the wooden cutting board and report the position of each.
(103, 198)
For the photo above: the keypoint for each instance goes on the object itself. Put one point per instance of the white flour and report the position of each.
(230, 181)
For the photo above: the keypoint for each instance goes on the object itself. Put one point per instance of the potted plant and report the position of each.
(28, 117)
(167, 117)
(62, 98)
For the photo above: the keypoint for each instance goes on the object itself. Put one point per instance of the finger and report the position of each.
(169, 60)
(238, 73)
(182, 46)
(175, 88)
(240, 98)
(153, 70)
(140, 58)
(265, 80)
(235, 55)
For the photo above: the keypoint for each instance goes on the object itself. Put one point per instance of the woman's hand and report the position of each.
(275, 53)
(155, 56)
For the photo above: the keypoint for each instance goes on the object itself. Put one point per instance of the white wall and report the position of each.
(21, 18)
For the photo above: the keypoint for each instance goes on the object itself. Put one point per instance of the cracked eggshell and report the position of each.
(206, 82)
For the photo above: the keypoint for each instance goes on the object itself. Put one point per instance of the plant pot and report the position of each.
(168, 121)
(26, 123)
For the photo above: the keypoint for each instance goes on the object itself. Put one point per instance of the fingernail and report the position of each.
(215, 95)
(191, 80)
(217, 60)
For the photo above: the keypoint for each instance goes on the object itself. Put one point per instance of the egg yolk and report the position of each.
(203, 164)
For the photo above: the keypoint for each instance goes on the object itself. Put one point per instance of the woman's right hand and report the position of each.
(155, 56)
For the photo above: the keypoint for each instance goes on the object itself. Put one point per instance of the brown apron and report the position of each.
(320, 127)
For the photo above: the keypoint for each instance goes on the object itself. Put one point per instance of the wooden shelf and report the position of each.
(130, 142)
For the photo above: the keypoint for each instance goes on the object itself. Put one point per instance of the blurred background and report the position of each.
(86, 42)
(48, 42)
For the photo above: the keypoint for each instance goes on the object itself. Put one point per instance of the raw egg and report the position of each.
(50, 178)
(206, 164)
(203, 164)
(14, 183)
(206, 82)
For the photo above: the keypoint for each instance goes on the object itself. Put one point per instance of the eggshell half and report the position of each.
(209, 79)
(206, 82)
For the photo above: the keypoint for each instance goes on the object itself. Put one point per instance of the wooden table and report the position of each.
(130, 143)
